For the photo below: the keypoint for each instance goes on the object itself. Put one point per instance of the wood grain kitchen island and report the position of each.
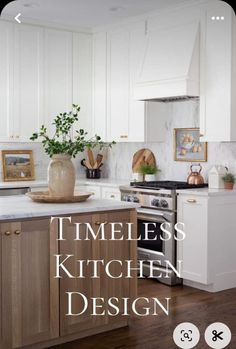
(33, 303)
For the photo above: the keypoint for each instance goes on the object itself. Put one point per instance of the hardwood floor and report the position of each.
(155, 332)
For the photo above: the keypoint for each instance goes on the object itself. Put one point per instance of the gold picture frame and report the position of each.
(187, 145)
(18, 165)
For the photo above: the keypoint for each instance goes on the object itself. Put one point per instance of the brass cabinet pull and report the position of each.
(99, 223)
(201, 135)
(7, 233)
(112, 196)
(124, 136)
(192, 201)
(17, 232)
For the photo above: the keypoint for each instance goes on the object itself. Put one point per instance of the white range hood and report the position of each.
(170, 67)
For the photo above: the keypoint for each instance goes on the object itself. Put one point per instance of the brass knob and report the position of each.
(11, 136)
(17, 232)
(192, 201)
(7, 233)
(99, 223)
(124, 136)
(112, 196)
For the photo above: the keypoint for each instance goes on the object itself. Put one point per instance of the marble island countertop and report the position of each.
(21, 207)
(83, 181)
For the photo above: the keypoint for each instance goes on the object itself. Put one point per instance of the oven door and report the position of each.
(155, 248)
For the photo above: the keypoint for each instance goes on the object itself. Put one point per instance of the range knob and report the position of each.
(164, 204)
(155, 202)
(133, 198)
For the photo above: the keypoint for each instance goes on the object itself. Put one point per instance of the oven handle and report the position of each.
(149, 218)
(155, 215)
(150, 212)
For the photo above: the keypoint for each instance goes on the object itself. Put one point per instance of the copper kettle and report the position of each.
(195, 177)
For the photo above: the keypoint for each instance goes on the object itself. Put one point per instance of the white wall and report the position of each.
(119, 160)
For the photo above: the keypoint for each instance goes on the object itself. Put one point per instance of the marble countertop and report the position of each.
(21, 207)
(83, 181)
(207, 192)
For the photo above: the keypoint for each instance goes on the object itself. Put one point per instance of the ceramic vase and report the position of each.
(61, 176)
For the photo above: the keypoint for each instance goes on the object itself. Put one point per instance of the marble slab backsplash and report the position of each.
(119, 159)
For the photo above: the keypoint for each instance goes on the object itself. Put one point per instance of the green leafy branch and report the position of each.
(62, 141)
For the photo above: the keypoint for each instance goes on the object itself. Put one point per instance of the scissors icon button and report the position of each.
(218, 335)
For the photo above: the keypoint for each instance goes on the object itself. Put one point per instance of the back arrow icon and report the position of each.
(17, 18)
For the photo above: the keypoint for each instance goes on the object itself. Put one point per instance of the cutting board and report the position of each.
(143, 156)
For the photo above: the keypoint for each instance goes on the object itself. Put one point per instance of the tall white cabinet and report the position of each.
(43, 71)
(57, 74)
(6, 81)
(117, 115)
(27, 93)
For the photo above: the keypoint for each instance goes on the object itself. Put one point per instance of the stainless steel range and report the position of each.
(158, 209)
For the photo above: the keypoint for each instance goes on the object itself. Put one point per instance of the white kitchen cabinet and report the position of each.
(111, 193)
(58, 74)
(117, 115)
(43, 71)
(28, 81)
(208, 251)
(218, 76)
(82, 80)
(118, 85)
(96, 190)
(100, 84)
(193, 251)
(6, 81)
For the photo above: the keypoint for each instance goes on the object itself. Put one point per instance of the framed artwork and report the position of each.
(187, 145)
(18, 165)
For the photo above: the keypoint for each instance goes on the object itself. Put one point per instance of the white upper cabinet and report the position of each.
(100, 84)
(58, 74)
(82, 79)
(118, 85)
(43, 71)
(117, 115)
(218, 102)
(28, 81)
(6, 81)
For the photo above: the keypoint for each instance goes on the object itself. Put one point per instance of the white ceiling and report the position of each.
(83, 13)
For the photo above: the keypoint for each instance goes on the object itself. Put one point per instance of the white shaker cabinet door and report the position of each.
(28, 81)
(193, 250)
(118, 85)
(57, 74)
(100, 84)
(218, 106)
(6, 82)
(82, 80)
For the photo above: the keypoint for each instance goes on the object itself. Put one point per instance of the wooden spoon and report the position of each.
(91, 157)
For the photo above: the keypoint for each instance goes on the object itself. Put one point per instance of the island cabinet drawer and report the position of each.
(29, 294)
(112, 193)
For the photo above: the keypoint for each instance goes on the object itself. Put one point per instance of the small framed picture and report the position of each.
(187, 145)
(18, 165)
